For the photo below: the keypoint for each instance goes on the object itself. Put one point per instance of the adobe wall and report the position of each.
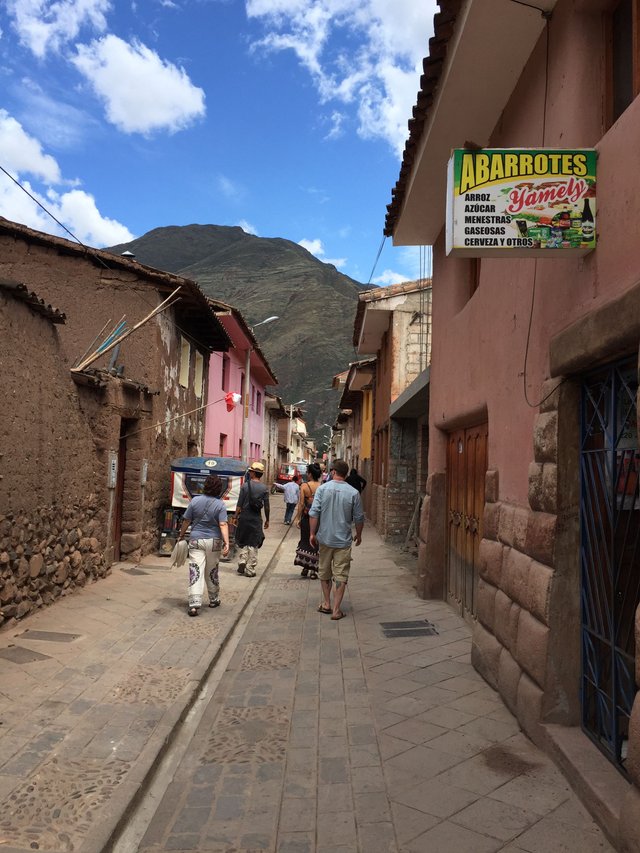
(52, 516)
(57, 444)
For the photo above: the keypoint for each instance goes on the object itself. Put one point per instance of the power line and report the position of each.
(375, 263)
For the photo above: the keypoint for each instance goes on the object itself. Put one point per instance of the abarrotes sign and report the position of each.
(521, 202)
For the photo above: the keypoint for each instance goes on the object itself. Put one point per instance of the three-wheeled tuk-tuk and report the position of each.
(187, 479)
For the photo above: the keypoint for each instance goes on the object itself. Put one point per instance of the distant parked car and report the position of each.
(287, 472)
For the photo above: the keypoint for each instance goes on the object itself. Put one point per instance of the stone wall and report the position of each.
(511, 637)
(432, 539)
(401, 485)
(378, 504)
(46, 553)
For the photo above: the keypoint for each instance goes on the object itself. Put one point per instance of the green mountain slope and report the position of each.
(263, 276)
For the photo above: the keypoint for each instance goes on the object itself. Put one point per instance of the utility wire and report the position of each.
(169, 420)
(375, 263)
(547, 17)
(98, 258)
(544, 12)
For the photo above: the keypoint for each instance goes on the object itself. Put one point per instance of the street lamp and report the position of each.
(262, 322)
(247, 389)
(291, 408)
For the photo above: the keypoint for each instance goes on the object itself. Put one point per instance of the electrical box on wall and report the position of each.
(112, 470)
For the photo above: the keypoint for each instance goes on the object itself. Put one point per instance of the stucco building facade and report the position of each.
(394, 322)
(531, 523)
(224, 426)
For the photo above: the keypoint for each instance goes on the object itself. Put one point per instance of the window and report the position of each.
(258, 403)
(185, 358)
(253, 398)
(222, 446)
(226, 362)
(197, 382)
(624, 63)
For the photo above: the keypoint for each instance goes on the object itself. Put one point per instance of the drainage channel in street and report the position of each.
(129, 837)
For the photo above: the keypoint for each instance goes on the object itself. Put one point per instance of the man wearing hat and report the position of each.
(254, 497)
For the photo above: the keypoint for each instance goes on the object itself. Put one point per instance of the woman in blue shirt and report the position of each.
(208, 539)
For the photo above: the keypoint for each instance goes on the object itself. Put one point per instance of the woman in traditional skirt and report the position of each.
(206, 515)
(306, 555)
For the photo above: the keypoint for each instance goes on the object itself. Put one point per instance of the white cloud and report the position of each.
(44, 25)
(141, 92)
(58, 124)
(380, 76)
(39, 174)
(248, 228)
(230, 189)
(22, 153)
(77, 209)
(317, 194)
(316, 248)
(337, 121)
(389, 277)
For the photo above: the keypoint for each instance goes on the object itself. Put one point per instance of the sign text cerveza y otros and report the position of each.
(515, 202)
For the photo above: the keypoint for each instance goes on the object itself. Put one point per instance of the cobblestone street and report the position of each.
(328, 737)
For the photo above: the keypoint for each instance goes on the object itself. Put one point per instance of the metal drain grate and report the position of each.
(416, 628)
(49, 636)
(18, 654)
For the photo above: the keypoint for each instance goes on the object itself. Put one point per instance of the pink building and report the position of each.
(531, 524)
(224, 429)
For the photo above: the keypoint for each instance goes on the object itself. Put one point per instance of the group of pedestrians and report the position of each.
(325, 513)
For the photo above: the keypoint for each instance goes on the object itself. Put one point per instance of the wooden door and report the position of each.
(466, 469)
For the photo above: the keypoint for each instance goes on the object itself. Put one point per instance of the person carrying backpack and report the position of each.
(254, 497)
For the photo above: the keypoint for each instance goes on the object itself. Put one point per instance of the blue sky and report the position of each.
(287, 117)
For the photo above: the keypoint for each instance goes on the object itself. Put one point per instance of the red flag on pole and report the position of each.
(231, 398)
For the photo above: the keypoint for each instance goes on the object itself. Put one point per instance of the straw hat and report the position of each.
(257, 466)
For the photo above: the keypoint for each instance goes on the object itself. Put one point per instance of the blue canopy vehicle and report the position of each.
(187, 479)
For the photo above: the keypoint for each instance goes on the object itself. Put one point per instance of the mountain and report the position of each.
(262, 276)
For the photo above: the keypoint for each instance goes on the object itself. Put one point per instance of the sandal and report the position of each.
(215, 603)
(338, 615)
(323, 609)
(192, 611)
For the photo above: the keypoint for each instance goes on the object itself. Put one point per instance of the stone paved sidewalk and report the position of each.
(328, 737)
(91, 690)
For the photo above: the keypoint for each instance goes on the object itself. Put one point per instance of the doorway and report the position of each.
(127, 425)
(466, 469)
(609, 554)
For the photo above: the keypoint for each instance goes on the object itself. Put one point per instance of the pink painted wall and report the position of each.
(219, 421)
(479, 342)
